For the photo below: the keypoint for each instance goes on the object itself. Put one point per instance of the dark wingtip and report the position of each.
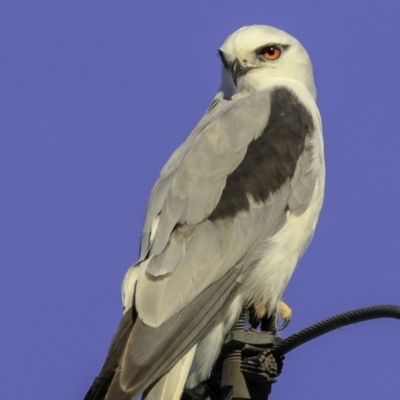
(102, 382)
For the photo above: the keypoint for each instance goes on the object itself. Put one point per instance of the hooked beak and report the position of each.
(238, 70)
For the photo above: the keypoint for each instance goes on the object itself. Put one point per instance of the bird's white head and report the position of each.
(256, 56)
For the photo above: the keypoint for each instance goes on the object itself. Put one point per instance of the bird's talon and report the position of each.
(286, 322)
(285, 313)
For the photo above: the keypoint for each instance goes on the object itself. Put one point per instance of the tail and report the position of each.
(156, 361)
(171, 385)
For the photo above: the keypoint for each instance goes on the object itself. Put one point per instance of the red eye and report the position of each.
(271, 52)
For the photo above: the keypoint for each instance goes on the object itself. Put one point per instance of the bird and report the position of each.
(228, 219)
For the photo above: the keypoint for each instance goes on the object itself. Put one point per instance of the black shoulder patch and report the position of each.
(271, 159)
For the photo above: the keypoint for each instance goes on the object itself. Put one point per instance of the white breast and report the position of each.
(281, 253)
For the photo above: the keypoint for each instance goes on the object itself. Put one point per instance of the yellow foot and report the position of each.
(285, 312)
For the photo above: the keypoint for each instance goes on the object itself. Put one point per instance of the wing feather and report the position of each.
(191, 183)
(101, 384)
(304, 182)
(150, 352)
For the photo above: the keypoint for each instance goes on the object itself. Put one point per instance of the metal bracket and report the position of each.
(245, 368)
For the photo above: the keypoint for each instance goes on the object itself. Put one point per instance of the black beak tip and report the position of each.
(236, 68)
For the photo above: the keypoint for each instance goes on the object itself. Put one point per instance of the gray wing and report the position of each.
(228, 187)
(191, 182)
(156, 350)
(160, 190)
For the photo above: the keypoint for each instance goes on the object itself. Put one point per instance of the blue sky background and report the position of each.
(96, 95)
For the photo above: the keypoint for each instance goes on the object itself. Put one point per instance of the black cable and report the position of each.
(332, 323)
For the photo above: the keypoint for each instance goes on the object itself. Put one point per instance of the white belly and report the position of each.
(281, 253)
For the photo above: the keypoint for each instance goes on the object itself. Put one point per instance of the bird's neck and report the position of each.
(256, 82)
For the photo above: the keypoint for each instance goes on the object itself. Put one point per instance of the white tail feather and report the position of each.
(170, 386)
